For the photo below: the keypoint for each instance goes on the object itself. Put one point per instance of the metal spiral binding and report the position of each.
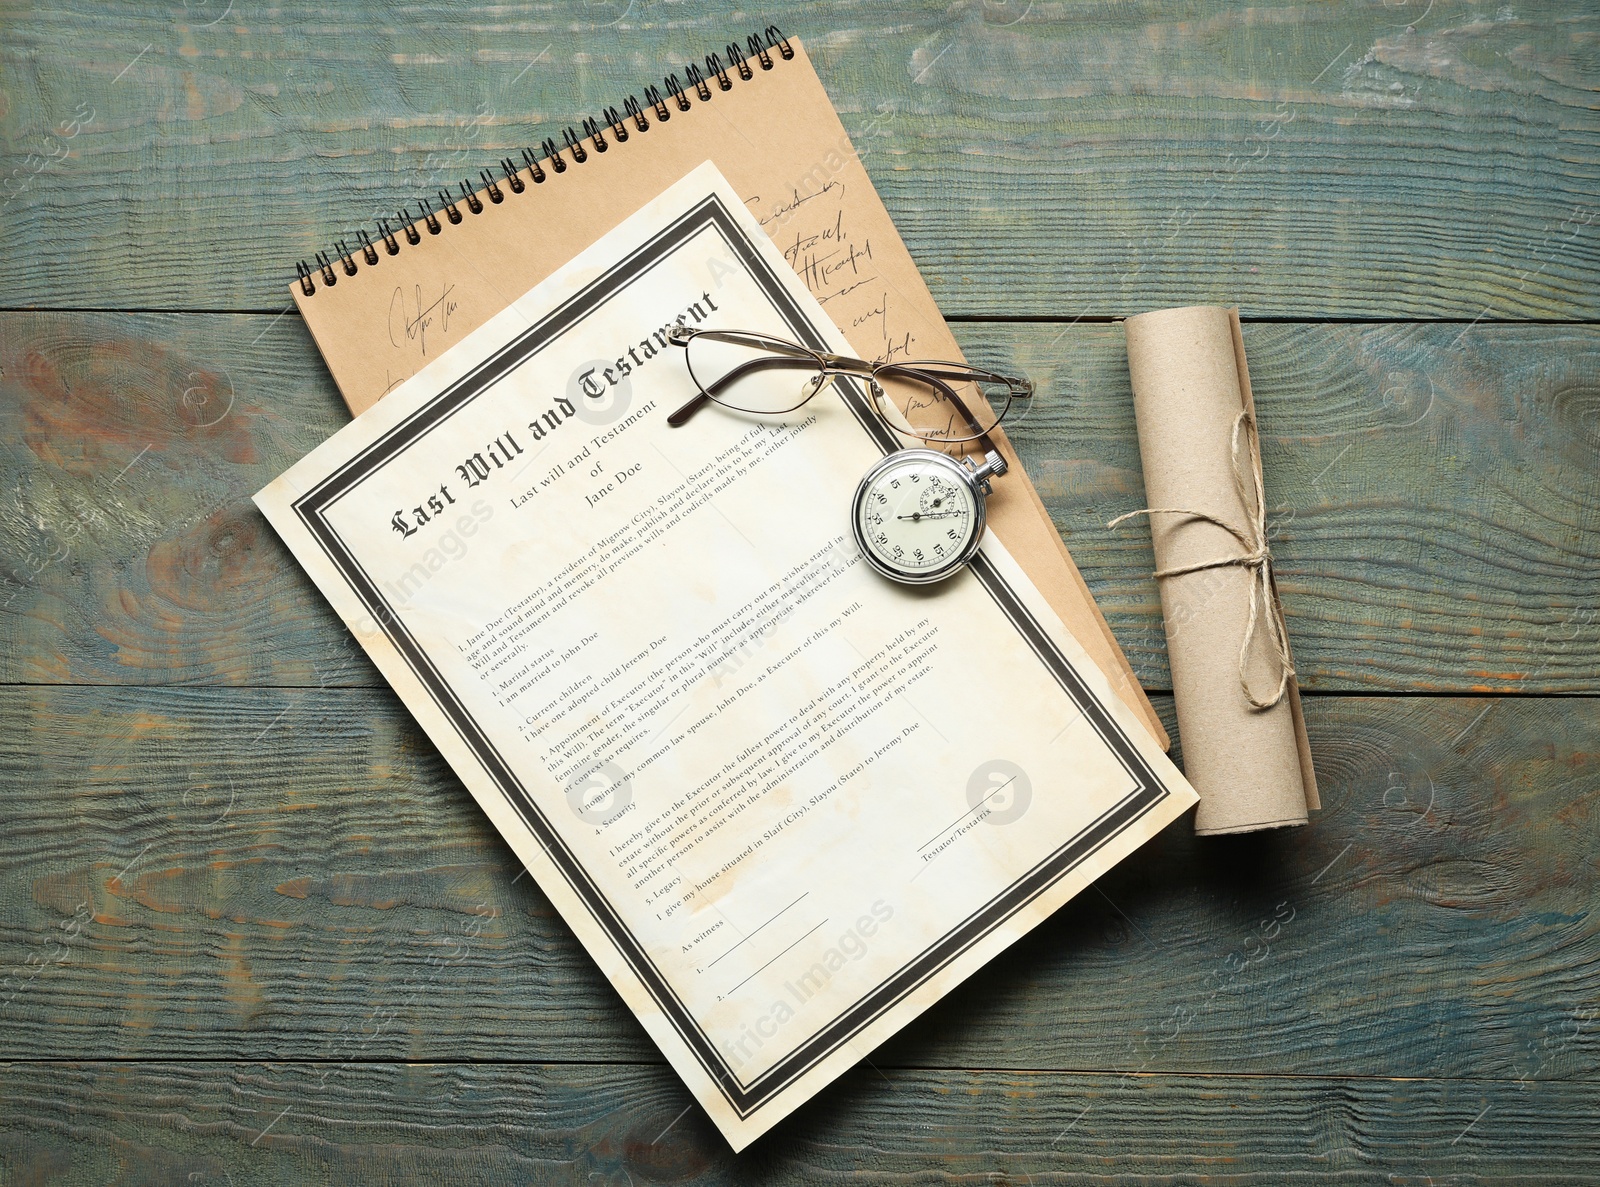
(653, 97)
(714, 64)
(753, 43)
(676, 89)
(591, 129)
(698, 82)
(758, 46)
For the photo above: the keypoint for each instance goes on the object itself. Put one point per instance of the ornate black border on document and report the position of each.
(742, 1097)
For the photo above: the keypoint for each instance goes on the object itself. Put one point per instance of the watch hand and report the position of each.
(931, 515)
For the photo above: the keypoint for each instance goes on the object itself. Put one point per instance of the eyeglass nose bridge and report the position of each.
(834, 366)
(844, 364)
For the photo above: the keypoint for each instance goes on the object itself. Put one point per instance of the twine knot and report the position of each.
(1256, 557)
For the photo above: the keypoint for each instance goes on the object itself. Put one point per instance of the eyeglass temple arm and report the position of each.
(713, 390)
(681, 416)
(1019, 387)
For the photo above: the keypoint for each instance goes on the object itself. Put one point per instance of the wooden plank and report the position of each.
(294, 874)
(618, 1125)
(132, 551)
(1367, 160)
(1435, 492)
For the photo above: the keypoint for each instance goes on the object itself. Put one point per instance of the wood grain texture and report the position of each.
(133, 550)
(246, 910)
(268, 874)
(1368, 160)
(627, 1126)
(1435, 498)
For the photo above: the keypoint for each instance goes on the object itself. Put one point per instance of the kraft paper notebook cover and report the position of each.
(382, 309)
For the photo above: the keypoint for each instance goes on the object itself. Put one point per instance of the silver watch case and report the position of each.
(976, 482)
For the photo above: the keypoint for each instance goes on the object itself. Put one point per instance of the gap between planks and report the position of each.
(1143, 1073)
(1047, 319)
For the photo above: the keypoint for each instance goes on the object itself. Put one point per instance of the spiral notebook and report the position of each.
(383, 308)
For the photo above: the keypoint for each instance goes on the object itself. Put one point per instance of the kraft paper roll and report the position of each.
(1251, 766)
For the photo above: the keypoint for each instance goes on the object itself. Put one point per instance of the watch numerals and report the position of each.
(915, 521)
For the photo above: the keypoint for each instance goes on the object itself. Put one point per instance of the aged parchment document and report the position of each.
(785, 804)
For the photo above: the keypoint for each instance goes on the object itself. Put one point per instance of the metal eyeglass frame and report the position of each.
(792, 355)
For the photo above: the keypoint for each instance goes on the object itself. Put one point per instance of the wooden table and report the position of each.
(236, 884)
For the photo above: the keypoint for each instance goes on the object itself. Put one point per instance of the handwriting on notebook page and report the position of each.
(419, 320)
(814, 232)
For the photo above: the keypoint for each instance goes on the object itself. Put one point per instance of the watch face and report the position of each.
(917, 515)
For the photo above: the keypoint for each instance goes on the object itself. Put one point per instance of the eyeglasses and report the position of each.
(751, 372)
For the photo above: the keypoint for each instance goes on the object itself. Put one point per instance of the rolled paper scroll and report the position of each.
(1239, 720)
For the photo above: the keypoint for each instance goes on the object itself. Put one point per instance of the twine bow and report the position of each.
(1257, 557)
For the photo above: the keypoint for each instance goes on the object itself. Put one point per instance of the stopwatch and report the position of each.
(918, 515)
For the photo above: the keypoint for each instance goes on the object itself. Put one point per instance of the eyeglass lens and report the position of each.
(758, 374)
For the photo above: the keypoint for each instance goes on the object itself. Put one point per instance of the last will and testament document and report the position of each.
(785, 804)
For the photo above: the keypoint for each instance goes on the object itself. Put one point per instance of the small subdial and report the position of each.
(939, 496)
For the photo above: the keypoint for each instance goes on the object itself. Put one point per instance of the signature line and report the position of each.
(968, 812)
(763, 968)
(751, 936)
